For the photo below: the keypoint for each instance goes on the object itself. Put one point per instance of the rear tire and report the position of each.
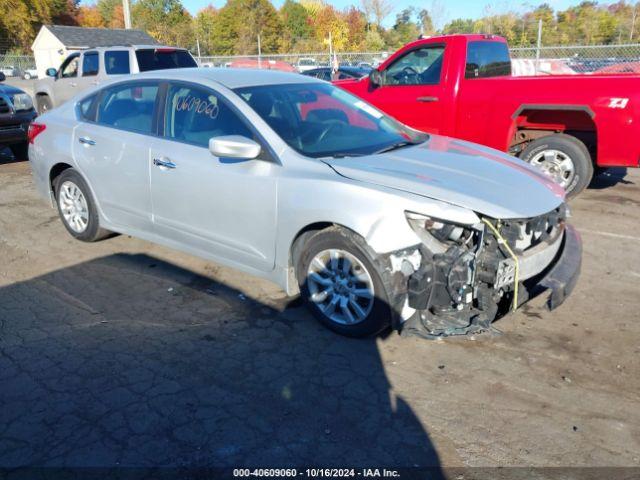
(564, 158)
(77, 208)
(349, 297)
(43, 104)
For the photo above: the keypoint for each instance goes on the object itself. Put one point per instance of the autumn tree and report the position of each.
(89, 16)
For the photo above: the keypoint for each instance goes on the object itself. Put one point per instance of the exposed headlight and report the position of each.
(441, 230)
(22, 101)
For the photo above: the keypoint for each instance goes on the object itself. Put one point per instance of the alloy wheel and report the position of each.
(340, 286)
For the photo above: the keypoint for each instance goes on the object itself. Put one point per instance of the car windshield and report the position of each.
(320, 120)
(163, 58)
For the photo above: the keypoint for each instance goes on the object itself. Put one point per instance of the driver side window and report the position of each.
(421, 66)
(70, 68)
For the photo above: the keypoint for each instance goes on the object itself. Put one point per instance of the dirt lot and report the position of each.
(126, 353)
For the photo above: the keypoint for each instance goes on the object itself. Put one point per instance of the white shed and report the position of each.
(54, 42)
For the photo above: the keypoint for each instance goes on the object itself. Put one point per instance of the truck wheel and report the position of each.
(43, 104)
(563, 158)
(77, 208)
(341, 283)
(20, 151)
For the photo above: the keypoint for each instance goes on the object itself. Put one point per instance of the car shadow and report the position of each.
(127, 360)
(609, 177)
(7, 156)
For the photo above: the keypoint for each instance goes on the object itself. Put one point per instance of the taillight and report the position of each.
(35, 129)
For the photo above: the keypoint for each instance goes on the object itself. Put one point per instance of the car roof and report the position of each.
(231, 77)
(133, 47)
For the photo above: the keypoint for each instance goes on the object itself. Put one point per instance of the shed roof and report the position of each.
(99, 37)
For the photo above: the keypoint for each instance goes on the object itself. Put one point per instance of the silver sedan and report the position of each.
(294, 180)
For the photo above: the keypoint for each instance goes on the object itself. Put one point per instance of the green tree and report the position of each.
(239, 23)
(296, 25)
(165, 20)
(405, 29)
(204, 27)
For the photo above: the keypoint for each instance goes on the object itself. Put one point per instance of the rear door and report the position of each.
(218, 206)
(413, 88)
(111, 146)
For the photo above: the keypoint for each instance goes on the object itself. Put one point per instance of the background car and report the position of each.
(16, 113)
(29, 73)
(8, 70)
(262, 64)
(297, 181)
(85, 69)
(307, 63)
(343, 73)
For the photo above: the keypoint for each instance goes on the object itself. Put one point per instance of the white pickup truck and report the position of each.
(86, 68)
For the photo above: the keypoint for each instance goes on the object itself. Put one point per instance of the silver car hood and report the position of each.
(461, 173)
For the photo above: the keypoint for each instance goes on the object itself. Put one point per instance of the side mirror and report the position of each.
(375, 78)
(51, 72)
(234, 146)
(2, 77)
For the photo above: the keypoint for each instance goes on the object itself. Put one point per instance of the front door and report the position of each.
(223, 208)
(112, 149)
(66, 83)
(412, 89)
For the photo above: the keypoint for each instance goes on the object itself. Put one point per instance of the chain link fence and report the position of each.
(568, 60)
(17, 65)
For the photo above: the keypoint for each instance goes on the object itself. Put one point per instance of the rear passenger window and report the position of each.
(195, 115)
(90, 64)
(87, 108)
(487, 59)
(116, 62)
(129, 107)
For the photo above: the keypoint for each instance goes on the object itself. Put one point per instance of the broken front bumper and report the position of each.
(561, 276)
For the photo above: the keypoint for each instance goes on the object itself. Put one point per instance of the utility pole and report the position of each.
(259, 53)
(330, 50)
(198, 47)
(127, 14)
(539, 44)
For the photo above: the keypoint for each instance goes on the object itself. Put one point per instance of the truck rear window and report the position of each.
(160, 59)
(487, 59)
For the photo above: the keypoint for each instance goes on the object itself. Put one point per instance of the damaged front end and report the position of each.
(462, 277)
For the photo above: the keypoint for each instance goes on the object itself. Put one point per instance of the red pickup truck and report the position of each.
(461, 86)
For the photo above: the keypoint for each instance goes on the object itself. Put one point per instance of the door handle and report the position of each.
(164, 163)
(86, 141)
(427, 99)
(73, 84)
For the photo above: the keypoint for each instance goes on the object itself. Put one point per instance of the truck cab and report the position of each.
(461, 86)
(87, 68)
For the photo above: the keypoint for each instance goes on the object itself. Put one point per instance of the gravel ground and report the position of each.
(126, 353)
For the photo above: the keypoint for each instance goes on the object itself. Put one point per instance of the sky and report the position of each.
(452, 8)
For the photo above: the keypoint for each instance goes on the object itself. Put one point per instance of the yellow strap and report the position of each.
(515, 259)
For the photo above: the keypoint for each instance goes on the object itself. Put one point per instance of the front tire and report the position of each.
(342, 284)
(563, 158)
(77, 208)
